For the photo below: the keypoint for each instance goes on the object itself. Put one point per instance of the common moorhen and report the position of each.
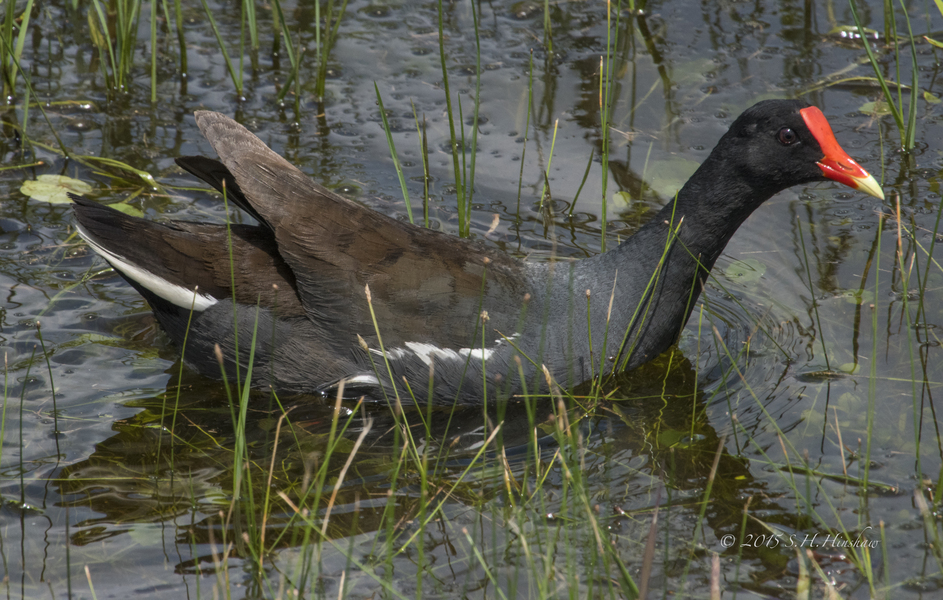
(452, 309)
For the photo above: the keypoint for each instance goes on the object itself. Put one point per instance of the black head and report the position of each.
(776, 144)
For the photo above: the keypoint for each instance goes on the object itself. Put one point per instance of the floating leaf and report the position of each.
(745, 271)
(859, 297)
(624, 197)
(668, 176)
(54, 188)
(670, 437)
(878, 108)
(931, 98)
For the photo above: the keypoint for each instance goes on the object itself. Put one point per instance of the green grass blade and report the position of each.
(424, 152)
(470, 182)
(21, 37)
(589, 164)
(895, 109)
(103, 41)
(396, 163)
(250, 17)
(453, 140)
(153, 51)
(911, 130)
(181, 38)
(236, 78)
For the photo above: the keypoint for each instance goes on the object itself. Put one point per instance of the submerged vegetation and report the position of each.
(690, 475)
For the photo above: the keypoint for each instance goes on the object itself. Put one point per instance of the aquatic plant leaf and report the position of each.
(933, 42)
(748, 270)
(859, 297)
(624, 197)
(668, 176)
(878, 108)
(54, 188)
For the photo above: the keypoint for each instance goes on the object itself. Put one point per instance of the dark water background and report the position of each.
(141, 507)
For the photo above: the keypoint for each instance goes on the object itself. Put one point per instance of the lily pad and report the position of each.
(745, 271)
(54, 188)
(878, 108)
(859, 297)
(850, 368)
(624, 197)
(668, 176)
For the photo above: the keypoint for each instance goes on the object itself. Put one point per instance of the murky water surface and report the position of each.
(126, 469)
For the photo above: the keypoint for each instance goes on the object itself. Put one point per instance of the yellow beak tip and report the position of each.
(870, 186)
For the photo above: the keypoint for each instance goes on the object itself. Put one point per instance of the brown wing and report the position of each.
(425, 285)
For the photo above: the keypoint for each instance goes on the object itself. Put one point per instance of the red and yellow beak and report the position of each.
(836, 164)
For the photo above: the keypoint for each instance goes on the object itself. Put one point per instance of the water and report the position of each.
(794, 302)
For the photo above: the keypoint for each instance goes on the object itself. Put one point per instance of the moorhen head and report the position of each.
(309, 282)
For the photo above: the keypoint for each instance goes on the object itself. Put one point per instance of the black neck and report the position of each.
(701, 220)
(681, 243)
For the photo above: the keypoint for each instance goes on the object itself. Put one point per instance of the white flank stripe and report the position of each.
(174, 294)
(478, 353)
(428, 352)
(360, 380)
(392, 353)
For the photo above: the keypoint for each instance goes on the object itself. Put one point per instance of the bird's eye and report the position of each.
(787, 136)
